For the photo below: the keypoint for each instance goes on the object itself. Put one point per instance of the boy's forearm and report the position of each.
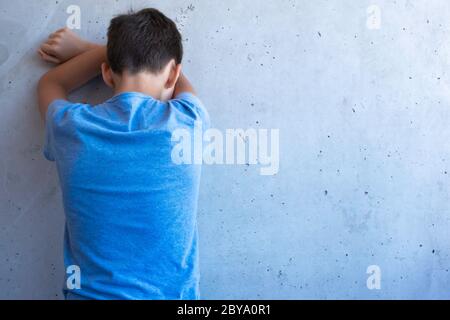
(60, 81)
(80, 69)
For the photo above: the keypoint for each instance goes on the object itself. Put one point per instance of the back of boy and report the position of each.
(131, 225)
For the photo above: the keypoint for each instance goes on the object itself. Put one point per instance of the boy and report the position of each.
(131, 223)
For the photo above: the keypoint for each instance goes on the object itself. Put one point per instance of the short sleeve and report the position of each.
(194, 103)
(56, 108)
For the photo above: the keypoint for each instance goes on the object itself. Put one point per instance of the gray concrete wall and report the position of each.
(364, 158)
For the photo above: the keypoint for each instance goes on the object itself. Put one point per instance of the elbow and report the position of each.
(42, 83)
(48, 86)
(45, 79)
(49, 89)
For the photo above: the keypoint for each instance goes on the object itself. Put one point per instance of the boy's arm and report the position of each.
(183, 85)
(61, 80)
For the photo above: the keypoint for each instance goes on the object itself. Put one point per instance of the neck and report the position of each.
(143, 82)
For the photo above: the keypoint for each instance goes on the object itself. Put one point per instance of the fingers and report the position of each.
(53, 42)
(46, 57)
(58, 33)
(62, 30)
(48, 49)
(60, 46)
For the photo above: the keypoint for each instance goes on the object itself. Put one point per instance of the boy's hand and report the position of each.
(62, 46)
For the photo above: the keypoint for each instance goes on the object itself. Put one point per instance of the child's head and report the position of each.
(145, 42)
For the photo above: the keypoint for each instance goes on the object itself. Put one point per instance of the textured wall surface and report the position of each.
(364, 146)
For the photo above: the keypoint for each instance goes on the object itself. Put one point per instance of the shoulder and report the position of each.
(63, 110)
(191, 105)
(59, 125)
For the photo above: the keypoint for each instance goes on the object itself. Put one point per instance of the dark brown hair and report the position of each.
(143, 41)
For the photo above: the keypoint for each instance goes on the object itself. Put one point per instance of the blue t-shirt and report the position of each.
(131, 212)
